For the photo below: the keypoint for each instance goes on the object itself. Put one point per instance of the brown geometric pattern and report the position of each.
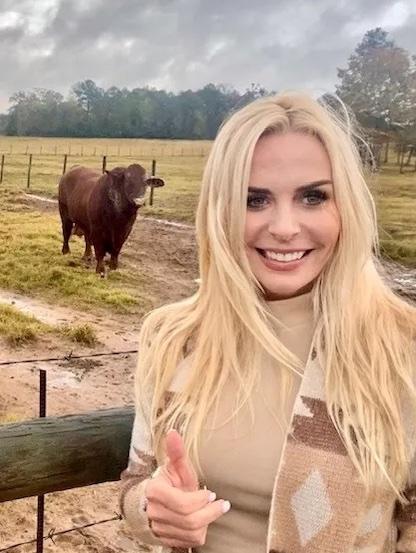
(142, 468)
(130, 483)
(317, 431)
(167, 398)
(315, 502)
(136, 472)
(406, 541)
(407, 513)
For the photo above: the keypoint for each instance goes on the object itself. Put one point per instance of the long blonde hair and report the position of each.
(364, 331)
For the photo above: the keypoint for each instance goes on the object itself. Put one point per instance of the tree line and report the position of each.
(378, 84)
(91, 111)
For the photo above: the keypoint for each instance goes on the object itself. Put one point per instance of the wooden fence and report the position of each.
(59, 453)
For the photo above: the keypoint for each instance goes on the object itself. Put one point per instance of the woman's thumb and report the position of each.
(179, 466)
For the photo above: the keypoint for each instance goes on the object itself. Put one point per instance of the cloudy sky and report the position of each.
(181, 44)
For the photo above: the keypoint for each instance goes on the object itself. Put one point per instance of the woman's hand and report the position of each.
(179, 512)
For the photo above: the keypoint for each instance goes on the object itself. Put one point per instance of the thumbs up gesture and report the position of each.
(178, 511)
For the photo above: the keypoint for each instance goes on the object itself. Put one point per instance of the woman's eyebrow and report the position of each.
(302, 188)
(314, 184)
(260, 190)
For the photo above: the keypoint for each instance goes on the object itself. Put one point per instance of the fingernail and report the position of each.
(226, 506)
(212, 497)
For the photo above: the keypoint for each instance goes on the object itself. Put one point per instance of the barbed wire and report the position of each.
(67, 357)
(51, 534)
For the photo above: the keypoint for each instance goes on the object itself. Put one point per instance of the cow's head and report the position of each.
(130, 184)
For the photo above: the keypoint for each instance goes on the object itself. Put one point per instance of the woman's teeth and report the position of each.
(284, 257)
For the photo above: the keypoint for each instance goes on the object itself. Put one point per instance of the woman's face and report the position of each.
(292, 222)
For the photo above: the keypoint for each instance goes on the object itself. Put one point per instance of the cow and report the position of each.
(102, 207)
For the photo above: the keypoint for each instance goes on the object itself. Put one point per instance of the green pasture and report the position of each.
(395, 196)
(30, 241)
(178, 162)
(31, 263)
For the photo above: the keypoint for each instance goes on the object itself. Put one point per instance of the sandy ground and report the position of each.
(167, 252)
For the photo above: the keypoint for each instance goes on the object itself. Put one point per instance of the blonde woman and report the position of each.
(276, 408)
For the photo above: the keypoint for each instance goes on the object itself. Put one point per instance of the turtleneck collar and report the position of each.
(293, 311)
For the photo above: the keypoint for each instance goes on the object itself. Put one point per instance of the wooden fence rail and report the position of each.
(58, 453)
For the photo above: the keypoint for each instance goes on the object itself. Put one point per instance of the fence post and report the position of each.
(64, 167)
(153, 174)
(41, 498)
(402, 158)
(28, 170)
(386, 153)
(104, 163)
(2, 168)
(58, 452)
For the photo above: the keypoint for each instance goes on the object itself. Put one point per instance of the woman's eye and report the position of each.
(314, 197)
(256, 201)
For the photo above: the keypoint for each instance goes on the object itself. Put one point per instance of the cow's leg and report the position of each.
(87, 257)
(99, 256)
(67, 225)
(114, 260)
(117, 243)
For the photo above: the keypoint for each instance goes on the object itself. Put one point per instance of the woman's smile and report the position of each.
(283, 260)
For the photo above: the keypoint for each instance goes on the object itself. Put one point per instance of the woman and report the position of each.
(290, 374)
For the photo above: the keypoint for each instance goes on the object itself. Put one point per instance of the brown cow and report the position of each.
(103, 207)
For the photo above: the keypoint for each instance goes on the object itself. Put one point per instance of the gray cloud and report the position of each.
(180, 44)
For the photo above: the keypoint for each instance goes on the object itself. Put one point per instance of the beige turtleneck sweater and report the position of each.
(240, 458)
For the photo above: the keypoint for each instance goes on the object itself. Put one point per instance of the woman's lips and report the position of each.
(276, 265)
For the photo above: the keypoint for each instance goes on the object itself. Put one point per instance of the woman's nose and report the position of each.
(284, 224)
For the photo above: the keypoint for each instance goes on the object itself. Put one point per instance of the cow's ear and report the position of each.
(106, 171)
(118, 174)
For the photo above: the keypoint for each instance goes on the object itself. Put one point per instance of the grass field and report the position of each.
(395, 196)
(31, 262)
(103, 146)
(180, 163)
(30, 241)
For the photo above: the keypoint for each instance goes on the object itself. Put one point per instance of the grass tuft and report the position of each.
(19, 329)
(81, 334)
